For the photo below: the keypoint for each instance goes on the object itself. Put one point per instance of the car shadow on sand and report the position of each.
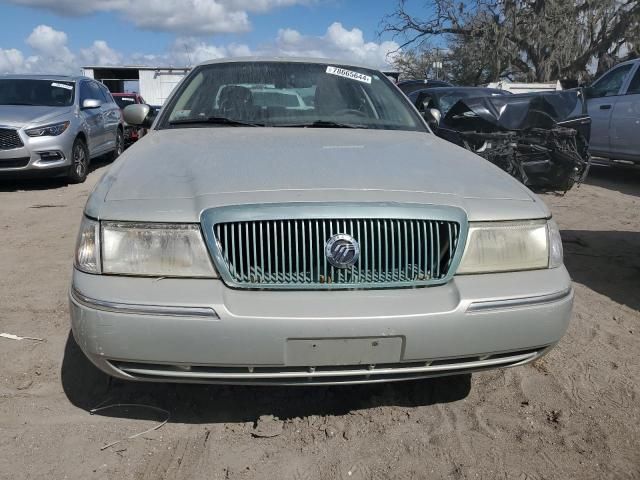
(16, 184)
(86, 387)
(622, 179)
(607, 262)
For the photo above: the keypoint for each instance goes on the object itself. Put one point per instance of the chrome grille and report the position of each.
(289, 253)
(9, 139)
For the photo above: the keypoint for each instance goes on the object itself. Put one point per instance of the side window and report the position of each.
(634, 86)
(424, 97)
(96, 92)
(106, 94)
(611, 83)
(85, 92)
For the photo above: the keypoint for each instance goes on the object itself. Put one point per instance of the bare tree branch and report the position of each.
(539, 40)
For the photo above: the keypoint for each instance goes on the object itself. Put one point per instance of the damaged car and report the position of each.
(539, 138)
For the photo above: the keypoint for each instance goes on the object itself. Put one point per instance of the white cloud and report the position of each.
(51, 54)
(51, 51)
(288, 36)
(193, 17)
(239, 50)
(45, 39)
(338, 42)
(191, 51)
(11, 60)
(100, 53)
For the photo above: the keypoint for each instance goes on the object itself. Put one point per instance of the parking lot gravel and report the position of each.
(573, 414)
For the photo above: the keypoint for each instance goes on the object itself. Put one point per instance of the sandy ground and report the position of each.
(574, 414)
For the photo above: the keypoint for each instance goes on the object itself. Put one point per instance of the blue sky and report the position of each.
(61, 35)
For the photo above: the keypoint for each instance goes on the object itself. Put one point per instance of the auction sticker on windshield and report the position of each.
(62, 85)
(341, 72)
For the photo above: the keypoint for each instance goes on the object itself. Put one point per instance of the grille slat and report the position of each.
(9, 139)
(438, 251)
(290, 253)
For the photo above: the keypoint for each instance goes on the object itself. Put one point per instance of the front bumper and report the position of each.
(188, 330)
(38, 156)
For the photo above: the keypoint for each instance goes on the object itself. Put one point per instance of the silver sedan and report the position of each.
(344, 243)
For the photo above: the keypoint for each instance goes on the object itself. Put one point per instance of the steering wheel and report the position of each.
(350, 111)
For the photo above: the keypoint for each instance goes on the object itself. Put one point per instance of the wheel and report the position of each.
(119, 146)
(79, 162)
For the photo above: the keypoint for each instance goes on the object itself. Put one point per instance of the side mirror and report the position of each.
(90, 103)
(432, 116)
(138, 115)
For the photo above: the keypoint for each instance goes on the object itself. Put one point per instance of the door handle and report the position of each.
(605, 107)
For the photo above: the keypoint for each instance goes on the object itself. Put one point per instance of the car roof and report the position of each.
(55, 78)
(628, 62)
(323, 61)
(424, 82)
(462, 89)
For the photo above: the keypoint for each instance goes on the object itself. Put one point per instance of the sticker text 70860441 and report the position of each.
(341, 72)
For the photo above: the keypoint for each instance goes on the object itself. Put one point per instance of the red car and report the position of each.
(131, 133)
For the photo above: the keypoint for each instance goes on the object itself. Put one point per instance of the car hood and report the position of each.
(518, 112)
(21, 115)
(174, 174)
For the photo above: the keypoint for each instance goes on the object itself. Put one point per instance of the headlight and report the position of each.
(556, 253)
(88, 246)
(48, 130)
(511, 246)
(158, 250)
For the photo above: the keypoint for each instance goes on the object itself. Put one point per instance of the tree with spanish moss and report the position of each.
(528, 40)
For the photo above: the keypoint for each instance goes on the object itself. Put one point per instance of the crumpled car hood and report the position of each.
(519, 112)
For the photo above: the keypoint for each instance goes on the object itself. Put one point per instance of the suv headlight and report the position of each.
(511, 246)
(48, 130)
(158, 250)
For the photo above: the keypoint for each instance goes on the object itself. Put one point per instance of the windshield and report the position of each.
(279, 94)
(45, 93)
(123, 101)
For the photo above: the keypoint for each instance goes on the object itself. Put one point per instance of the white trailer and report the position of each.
(154, 84)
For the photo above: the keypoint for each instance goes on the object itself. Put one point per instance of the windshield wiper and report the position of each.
(216, 121)
(322, 124)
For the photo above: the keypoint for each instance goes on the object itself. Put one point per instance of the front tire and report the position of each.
(119, 146)
(79, 162)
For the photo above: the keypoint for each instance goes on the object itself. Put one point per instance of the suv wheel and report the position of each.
(119, 146)
(79, 162)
